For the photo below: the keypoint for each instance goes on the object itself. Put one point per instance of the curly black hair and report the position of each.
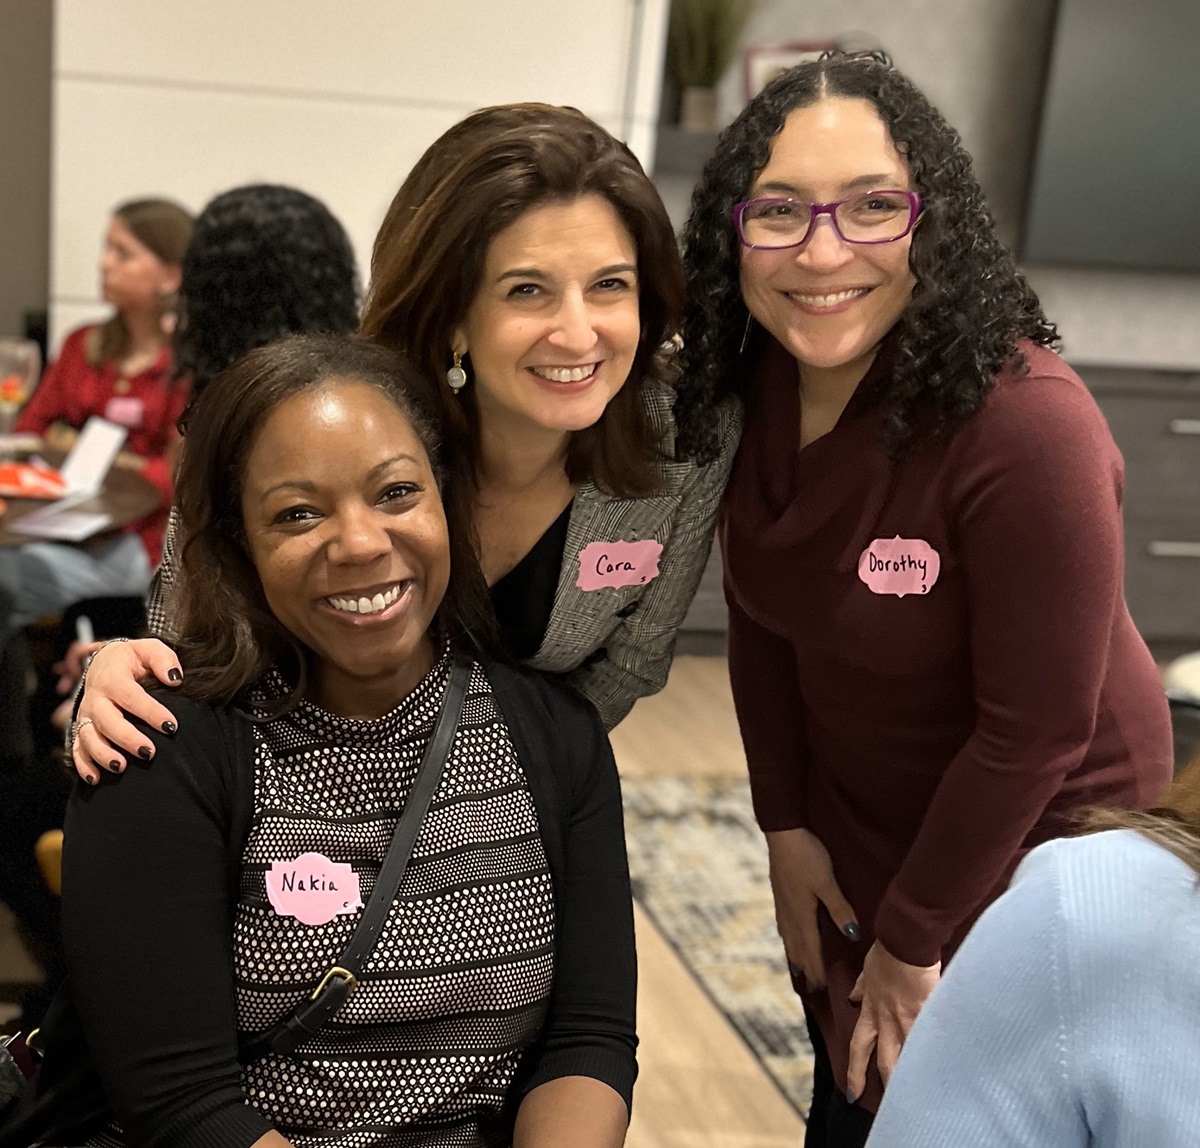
(970, 304)
(264, 261)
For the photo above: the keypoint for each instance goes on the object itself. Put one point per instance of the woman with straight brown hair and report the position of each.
(121, 370)
(528, 265)
(1069, 1016)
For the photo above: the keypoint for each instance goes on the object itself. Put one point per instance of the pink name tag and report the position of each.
(313, 889)
(899, 566)
(615, 564)
(125, 411)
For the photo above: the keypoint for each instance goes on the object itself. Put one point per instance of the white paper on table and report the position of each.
(19, 443)
(60, 523)
(86, 467)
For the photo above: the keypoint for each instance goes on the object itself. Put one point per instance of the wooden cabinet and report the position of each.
(1155, 419)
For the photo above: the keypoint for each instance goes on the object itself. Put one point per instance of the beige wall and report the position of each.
(186, 99)
(25, 36)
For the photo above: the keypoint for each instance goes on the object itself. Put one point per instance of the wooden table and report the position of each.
(125, 497)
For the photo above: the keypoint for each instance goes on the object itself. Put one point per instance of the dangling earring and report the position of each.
(456, 377)
(746, 334)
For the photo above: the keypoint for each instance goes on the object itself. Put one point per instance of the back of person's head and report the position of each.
(164, 228)
(472, 183)
(265, 261)
(227, 634)
(1174, 824)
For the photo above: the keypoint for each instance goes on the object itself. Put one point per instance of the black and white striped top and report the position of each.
(458, 983)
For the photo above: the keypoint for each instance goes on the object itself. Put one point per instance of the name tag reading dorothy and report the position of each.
(615, 564)
(899, 566)
(313, 889)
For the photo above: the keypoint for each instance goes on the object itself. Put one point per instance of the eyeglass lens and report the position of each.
(872, 218)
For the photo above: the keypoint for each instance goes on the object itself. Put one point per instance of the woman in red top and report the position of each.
(932, 660)
(120, 370)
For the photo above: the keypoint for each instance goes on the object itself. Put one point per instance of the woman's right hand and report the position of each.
(113, 690)
(802, 880)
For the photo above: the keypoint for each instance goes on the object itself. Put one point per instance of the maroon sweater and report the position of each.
(930, 739)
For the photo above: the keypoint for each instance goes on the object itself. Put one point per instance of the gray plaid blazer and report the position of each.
(614, 644)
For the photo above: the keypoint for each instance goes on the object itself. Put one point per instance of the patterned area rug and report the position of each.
(699, 868)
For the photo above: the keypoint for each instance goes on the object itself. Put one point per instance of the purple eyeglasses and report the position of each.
(873, 217)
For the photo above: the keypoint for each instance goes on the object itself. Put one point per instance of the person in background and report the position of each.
(265, 260)
(528, 266)
(1068, 1018)
(122, 371)
(497, 1003)
(932, 662)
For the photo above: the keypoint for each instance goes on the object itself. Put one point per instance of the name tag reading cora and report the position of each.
(313, 889)
(616, 564)
(899, 566)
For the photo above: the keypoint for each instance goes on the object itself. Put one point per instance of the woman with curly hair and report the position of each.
(528, 267)
(931, 657)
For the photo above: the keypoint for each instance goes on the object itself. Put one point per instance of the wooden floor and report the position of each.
(699, 1086)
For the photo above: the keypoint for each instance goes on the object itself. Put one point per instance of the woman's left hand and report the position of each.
(891, 994)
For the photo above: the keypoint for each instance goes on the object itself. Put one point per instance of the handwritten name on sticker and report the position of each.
(313, 889)
(899, 566)
(616, 564)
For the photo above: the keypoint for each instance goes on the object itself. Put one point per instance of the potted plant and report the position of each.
(702, 39)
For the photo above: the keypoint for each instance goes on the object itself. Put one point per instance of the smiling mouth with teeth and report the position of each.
(831, 300)
(565, 374)
(364, 605)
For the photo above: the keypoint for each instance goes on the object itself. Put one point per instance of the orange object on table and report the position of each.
(23, 480)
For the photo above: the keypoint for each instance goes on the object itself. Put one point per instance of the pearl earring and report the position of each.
(456, 377)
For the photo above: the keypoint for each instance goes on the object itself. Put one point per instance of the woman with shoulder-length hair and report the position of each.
(528, 266)
(1068, 1017)
(932, 660)
(120, 370)
(376, 890)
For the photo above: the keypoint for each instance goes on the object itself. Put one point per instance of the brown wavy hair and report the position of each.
(166, 229)
(427, 264)
(227, 636)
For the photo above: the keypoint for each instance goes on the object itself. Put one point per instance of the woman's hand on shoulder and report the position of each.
(112, 693)
(891, 994)
(802, 880)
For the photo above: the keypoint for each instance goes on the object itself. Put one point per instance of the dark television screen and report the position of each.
(1116, 176)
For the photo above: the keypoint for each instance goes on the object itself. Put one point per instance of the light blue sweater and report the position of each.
(1070, 1016)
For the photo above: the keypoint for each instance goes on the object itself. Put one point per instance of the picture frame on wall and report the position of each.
(761, 63)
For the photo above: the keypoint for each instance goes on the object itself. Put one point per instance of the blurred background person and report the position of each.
(1068, 1017)
(121, 370)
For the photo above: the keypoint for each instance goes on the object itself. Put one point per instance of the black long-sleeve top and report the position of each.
(151, 882)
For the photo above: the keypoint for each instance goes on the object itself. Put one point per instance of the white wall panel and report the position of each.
(186, 100)
(191, 145)
(457, 52)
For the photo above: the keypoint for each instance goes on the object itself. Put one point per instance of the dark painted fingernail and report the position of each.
(115, 766)
(91, 780)
(852, 931)
(145, 752)
(174, 674)
(169, 727)
(851, 1096)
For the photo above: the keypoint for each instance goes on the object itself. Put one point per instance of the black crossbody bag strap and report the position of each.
(308, 1017)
